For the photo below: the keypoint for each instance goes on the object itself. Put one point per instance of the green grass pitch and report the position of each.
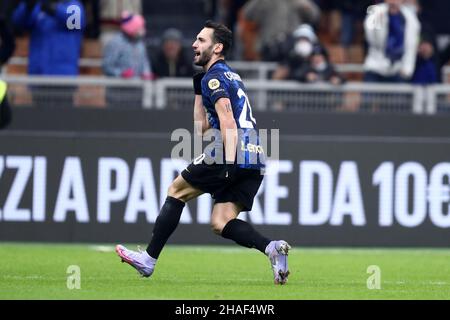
(35, 271)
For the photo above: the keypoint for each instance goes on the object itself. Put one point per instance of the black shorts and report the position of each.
(242, 190)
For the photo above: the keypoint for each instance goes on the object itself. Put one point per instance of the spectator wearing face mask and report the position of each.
(299, 48)
(319, 69)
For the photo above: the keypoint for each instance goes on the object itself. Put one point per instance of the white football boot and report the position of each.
(140, 260)
(277, 251)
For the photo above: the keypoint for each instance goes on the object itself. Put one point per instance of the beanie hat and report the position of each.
(305, 31)
(132, 24)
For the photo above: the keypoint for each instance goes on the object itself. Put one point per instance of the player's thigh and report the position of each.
(180, 189)
(222, 214)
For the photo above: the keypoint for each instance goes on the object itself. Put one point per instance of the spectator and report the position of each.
(319, 69)
(125, 56)
(299, 47)
(392, 32)
(272, 21)
(7, 42)
(171, 60)
(54, 47)
(428, 32)
(352, 12)
(427, 65)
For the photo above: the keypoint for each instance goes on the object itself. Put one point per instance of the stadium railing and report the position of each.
(247, 69)
(176, 93)
(437, 99)
(80, 91)
(293, 96)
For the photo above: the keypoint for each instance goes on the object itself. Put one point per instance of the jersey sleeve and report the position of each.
(215, 86)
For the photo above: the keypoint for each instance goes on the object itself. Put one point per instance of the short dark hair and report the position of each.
(221, 35)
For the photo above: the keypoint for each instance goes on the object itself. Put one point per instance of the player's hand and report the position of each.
(229, 171)
(198, 82)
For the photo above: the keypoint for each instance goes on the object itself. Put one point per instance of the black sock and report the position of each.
(243, 234)
(165, 225)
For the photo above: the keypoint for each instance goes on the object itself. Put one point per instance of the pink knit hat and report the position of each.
(132, 24)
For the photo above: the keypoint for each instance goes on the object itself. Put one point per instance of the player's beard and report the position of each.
(205, 57)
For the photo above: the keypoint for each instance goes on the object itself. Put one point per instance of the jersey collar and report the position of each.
(220, 61)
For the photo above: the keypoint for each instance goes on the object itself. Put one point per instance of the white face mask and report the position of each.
(303, 48)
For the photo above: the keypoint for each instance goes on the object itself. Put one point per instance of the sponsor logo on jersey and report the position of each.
(213, 84)
(252, 148)
(218, 91)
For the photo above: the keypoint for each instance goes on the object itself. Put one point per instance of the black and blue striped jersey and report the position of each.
(222, 82)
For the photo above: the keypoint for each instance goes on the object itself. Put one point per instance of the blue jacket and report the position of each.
(54, 48)
(426, 73)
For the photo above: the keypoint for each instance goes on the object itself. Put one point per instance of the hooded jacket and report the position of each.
(54, 48)
(376, 27)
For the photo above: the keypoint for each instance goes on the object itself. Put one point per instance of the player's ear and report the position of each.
(218, 47)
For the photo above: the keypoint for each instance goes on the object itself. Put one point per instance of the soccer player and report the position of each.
(229, 173)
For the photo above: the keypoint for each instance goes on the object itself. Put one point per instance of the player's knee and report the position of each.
(217, 226)
(172, 191)
(175, 191)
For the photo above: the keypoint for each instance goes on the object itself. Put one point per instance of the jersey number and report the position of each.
(247, 109)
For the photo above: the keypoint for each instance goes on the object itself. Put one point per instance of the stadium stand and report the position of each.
(189, 17)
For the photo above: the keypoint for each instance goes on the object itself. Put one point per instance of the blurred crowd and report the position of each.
(402, 41)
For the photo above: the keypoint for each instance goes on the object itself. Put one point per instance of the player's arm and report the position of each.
(201, 122)
(228, 128)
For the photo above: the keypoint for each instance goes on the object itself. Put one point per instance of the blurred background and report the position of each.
(359, 90)
(332, 46)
